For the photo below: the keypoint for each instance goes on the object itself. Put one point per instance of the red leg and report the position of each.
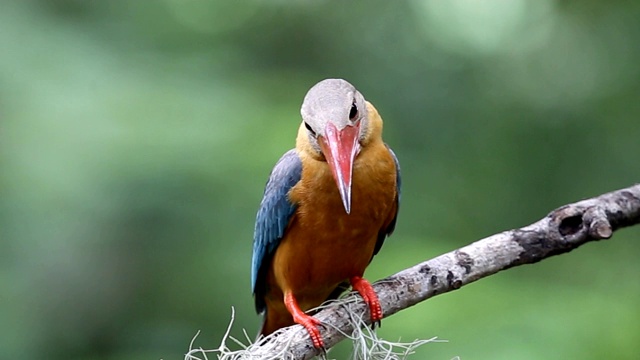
(369, 296)
(310, 323)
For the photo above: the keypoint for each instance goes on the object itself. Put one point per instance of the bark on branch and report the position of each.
(563, 230)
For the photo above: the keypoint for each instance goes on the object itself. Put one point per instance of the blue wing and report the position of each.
(271, 222)
(392, 225)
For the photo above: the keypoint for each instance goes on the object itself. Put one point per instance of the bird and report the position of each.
(327, 208)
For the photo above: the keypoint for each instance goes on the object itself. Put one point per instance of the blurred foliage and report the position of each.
(136, 137)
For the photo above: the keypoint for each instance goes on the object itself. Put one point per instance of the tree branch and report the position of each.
(563, 230)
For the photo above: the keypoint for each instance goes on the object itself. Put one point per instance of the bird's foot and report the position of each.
(369, 296)
(309, 322)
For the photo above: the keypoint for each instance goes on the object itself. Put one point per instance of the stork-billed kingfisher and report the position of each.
(327, 208)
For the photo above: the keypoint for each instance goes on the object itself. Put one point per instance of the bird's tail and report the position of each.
(274, 320)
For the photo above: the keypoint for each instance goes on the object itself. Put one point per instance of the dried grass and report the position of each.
(366, 343)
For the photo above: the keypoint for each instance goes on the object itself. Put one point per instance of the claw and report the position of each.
(309, 322)
(370, 297)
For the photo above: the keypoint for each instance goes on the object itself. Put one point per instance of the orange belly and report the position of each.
(312, 263)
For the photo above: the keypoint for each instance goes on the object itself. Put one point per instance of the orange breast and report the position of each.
(324, 245)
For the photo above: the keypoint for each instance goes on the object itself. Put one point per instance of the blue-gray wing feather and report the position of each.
(272, 220)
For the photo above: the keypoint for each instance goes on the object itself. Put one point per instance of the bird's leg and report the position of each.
(369, 296)
(310, 323)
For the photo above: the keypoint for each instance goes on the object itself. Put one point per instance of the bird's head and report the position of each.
(335, 116)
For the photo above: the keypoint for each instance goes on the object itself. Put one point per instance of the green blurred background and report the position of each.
(136, 138)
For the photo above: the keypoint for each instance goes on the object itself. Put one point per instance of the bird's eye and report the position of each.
(353, 112)
(309, 128)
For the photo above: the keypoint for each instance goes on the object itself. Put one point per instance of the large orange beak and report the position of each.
(340, 148)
